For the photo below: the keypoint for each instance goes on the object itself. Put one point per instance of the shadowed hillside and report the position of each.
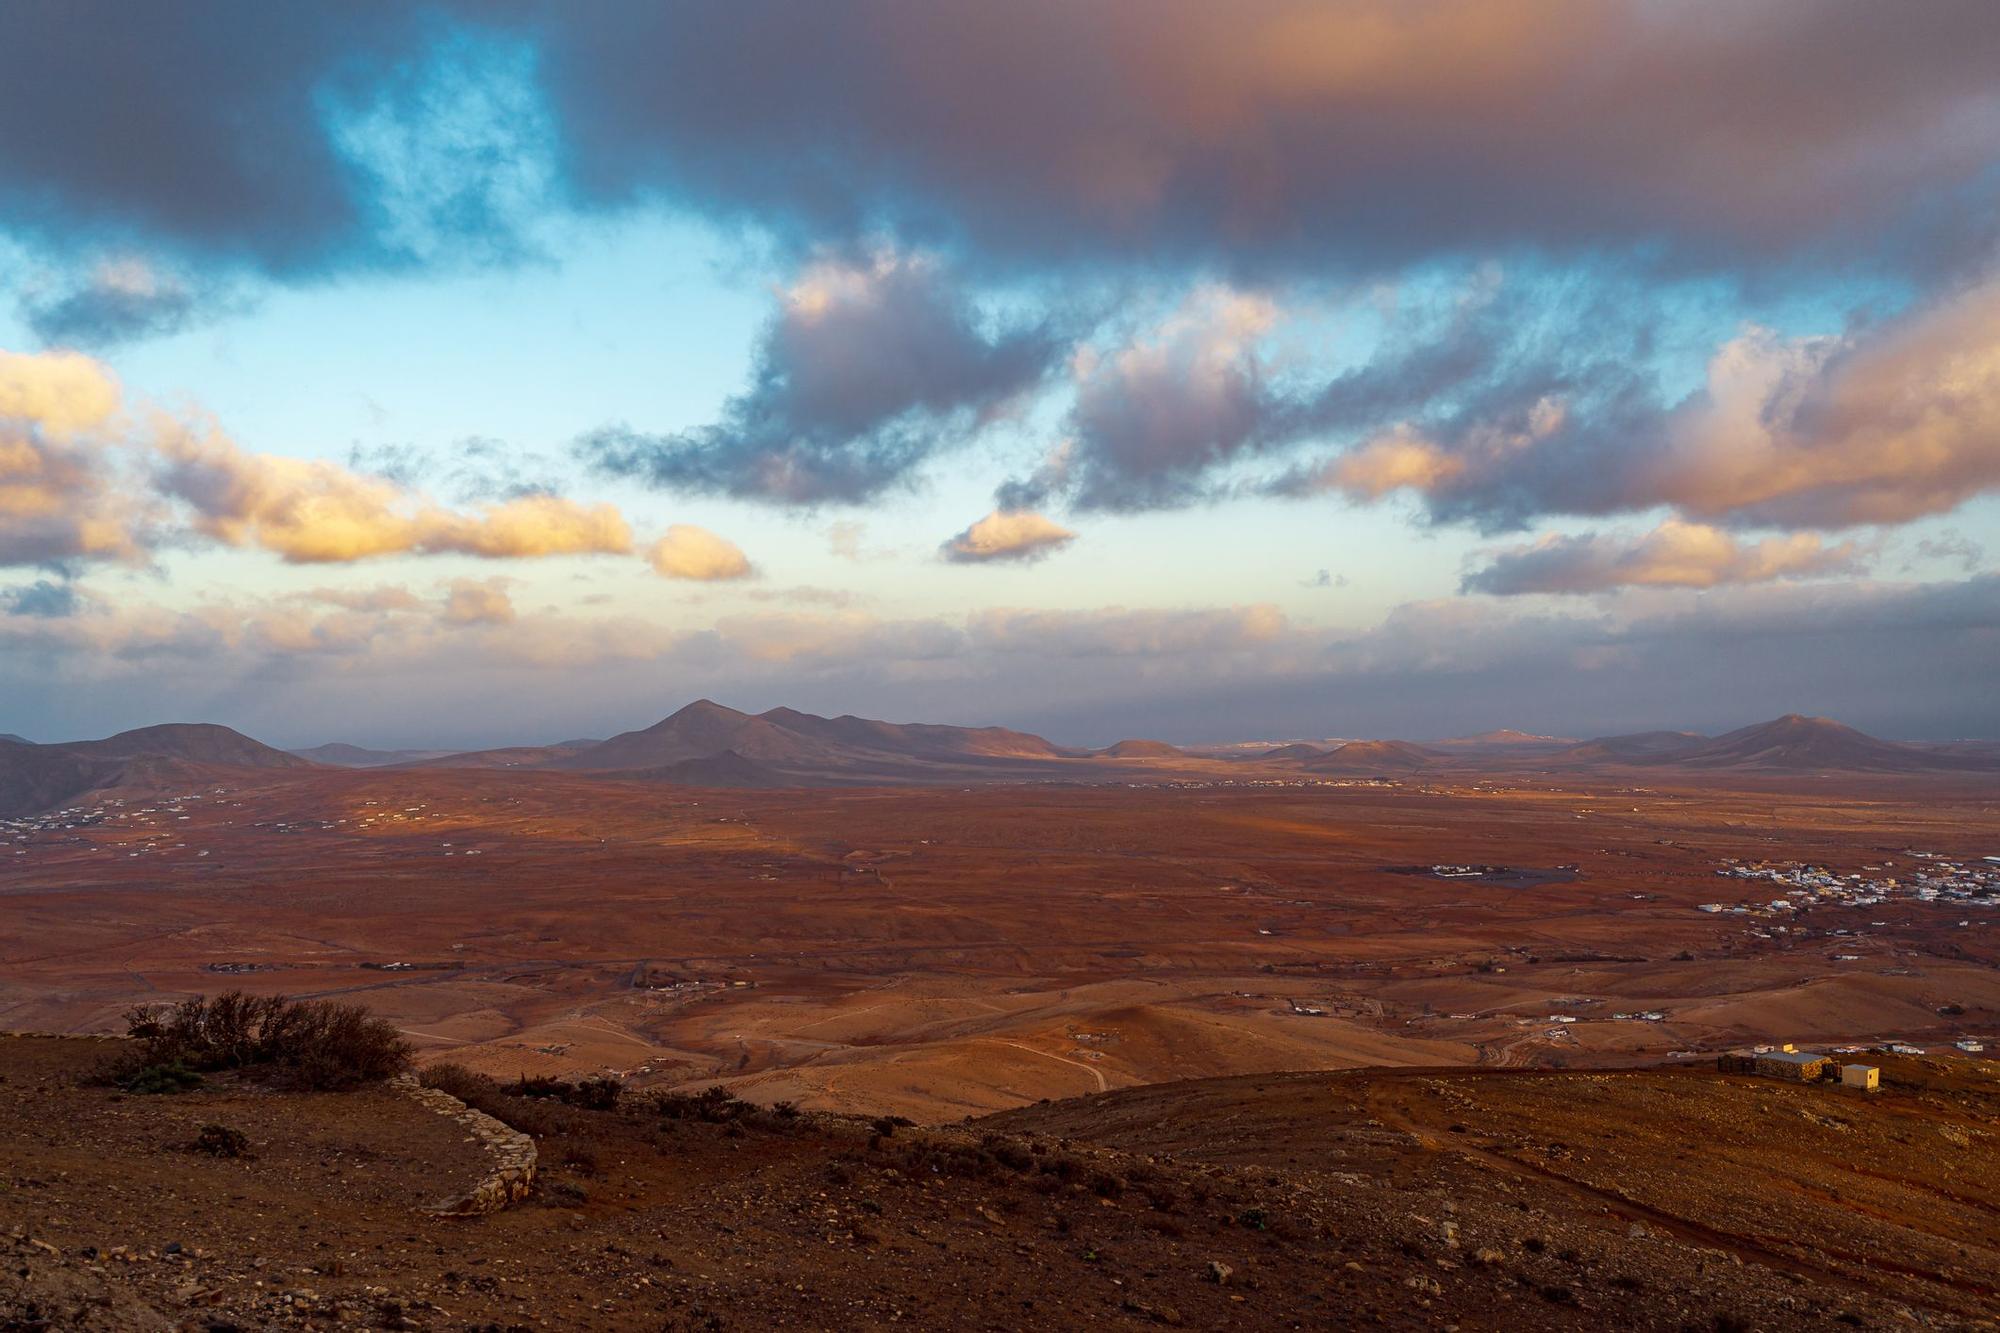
(42, 777)
(1391, 1198)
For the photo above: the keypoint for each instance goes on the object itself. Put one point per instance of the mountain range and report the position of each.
(707, 744)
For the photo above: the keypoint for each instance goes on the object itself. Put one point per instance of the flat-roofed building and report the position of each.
(1795, 1066)
(1865, 1077)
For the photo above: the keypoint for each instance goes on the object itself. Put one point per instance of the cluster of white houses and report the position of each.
(1931, 878)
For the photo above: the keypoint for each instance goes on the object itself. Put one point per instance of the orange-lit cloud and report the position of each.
(1397, 461)
(690, 552)
(1017, 535)
(478, 602)
(1879, 426)
(310, 511)
(59, 496)
(1676, 554)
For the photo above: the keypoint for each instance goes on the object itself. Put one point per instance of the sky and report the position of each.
(466, 374)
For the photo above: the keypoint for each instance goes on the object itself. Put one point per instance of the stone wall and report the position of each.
(513, 1154)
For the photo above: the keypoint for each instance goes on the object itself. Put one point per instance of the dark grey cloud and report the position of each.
(1956, 547)
(195, 126)
(1184, 411)
(112, 302)
(235, 136)
(41, 599)
(1294, 133)
(1887, 422)
(1506, 402)
(872, 364)
(1255, 137)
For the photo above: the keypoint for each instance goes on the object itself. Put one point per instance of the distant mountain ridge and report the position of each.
(1505, 736)
(784, 742)
(708, 744)
(40, 777)
(1375, 758)
(1811, 744)
(1296, 750)
(340, 755)
(1142, 749)
(192, 742)
(1637, 745)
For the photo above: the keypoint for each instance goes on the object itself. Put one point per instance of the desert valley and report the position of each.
(765, 1015)
(976, 919)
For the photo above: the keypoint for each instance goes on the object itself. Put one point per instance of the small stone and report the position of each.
(1219, 1272)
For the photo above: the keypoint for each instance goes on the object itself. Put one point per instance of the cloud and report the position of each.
(1457, 367)
(1014, 535)
(310, 511)
(41, 599)
(1656, 657)
(83, 478)
(689, 552)
(1395, 461)
(870, 366)
(478, 602)
(1267, 137)
(294, 139)
(1676, 554)
(1155, 416)
(474, 470)
(384, 597)
(59, 496)
(1119, 632)
(1289, 132)
(843, 538)
(1954, 547)
(60, 394)
(1878, 426)
(1887, 423)
(116, 300)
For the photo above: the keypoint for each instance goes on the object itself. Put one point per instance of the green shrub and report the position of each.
(153, 1078)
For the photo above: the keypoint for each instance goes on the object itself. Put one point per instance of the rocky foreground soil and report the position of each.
(1435, 1199)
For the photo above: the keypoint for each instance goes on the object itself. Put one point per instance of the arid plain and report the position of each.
(939, 951)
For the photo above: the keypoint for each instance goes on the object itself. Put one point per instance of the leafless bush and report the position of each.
(315, 1045)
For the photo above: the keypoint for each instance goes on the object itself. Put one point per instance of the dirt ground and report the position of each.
(944, 952)
(1478, 1199)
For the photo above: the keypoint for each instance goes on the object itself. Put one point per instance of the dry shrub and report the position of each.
(712, 1105)
(314, 1045)
(221, 1141)
(472, 1088)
